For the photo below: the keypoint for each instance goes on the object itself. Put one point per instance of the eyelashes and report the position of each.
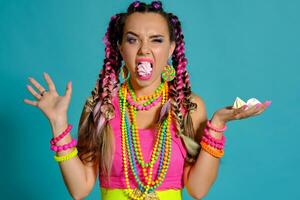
(131, 40)
(158, 40)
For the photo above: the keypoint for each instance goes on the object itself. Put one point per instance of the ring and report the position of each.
(42, 93)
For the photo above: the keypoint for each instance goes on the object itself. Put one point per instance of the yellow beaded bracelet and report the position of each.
(67, 156)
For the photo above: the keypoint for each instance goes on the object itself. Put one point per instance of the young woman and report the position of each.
(146, 136)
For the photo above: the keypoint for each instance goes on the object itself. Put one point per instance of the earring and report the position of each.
(124, 75)
(168, 73)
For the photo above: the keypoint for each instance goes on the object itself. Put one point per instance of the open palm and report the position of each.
(50, 103)
(228, 113)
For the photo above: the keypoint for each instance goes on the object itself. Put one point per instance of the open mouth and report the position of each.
(144, 70)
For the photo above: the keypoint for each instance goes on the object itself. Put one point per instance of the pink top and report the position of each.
(174, 176)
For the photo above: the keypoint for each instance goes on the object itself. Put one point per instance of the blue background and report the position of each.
(234, 48)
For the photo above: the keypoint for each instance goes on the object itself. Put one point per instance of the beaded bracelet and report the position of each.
(60, 136)
(212, 151)
(215, 140)
(64, 147)
(67, 156)
(211, 143)
(214, 128)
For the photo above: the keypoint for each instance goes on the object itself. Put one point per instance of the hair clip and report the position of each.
(136, 4)
(174, 20)
(113, 17)
(156, 4)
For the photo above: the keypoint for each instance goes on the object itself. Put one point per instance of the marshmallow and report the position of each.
(238, 103)
(144, 68)
(250, 103)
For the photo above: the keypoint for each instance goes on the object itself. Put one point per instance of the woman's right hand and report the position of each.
(50, 103)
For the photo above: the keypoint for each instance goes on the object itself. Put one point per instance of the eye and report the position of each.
(158, 40)
(131, 40)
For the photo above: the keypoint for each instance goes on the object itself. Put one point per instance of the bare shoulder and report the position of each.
(198, 100)
(199, 115)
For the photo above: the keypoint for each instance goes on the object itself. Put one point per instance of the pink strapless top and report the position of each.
(174, 176)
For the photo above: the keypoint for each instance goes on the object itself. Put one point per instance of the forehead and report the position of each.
(146, 23)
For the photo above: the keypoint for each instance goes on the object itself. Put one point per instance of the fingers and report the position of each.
(34, 103)
(262, 107)
(239, 112)
(69, 90)
(33, 92)
(252, 111)
(49, 81)
(36, 84)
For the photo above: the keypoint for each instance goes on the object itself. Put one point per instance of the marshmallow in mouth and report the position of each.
(144, 69)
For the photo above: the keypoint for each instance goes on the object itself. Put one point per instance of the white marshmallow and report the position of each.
(144, 68)
(250, 103)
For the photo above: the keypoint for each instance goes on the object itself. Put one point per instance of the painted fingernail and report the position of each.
(258, 105)
(267, 103)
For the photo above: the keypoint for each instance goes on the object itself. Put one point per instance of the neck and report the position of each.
(145, 90)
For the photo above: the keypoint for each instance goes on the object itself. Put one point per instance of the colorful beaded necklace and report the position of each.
(131, 148)
(151, 100)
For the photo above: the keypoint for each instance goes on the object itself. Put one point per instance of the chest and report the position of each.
(148, 119)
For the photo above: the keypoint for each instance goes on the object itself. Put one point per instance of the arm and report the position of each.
(79, 178)
(199, 177)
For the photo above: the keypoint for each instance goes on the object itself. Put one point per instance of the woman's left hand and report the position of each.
(228, 113)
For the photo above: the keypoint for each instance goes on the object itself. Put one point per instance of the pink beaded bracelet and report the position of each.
(64, 147)
(60, 136)
(214, 128)
(213, 144)
(210, 137)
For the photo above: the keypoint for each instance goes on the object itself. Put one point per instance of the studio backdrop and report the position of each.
(235, 48)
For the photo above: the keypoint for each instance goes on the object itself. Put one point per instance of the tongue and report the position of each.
(144, 69)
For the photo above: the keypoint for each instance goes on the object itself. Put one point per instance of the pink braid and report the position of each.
(108, 79)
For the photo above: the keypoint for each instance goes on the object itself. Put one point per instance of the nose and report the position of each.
(144, 48)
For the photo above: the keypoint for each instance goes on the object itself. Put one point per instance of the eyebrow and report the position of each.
(152, 36)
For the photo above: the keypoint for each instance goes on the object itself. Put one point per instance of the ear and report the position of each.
(172, 48)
